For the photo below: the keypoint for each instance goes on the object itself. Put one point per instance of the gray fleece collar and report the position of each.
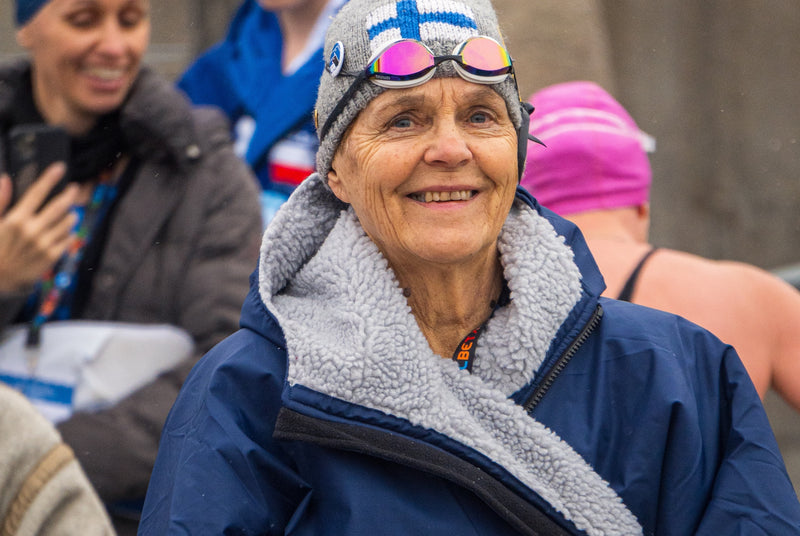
(344, 315)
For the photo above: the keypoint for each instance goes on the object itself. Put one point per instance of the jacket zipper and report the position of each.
(562, 362)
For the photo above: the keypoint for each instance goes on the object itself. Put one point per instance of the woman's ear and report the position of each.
(23, 37)
(335, 184)
(643, 217)
(643, 211)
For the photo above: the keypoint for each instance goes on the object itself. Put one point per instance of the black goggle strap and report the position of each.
(528, 109)
(339, 108)
(524, 134)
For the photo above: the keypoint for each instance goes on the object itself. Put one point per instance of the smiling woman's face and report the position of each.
(86, 55)
(430, 171)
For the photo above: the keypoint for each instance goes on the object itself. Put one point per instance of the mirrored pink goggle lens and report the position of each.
(485, 55)
(404, 58)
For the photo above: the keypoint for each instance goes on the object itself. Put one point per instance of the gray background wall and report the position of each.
(716, 84)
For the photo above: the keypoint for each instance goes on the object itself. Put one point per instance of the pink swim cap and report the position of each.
(595, 156)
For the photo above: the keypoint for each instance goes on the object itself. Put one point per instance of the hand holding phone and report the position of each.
(31, 149)
(34, 234)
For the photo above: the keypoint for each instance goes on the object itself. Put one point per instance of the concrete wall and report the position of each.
(718, 88)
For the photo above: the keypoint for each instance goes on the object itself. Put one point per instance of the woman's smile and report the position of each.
(105, 79)
(443, 196)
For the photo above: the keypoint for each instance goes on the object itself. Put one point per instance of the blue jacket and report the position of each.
(328, 414)
(242, 75)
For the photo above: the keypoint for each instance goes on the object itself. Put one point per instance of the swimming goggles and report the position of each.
(408, 63)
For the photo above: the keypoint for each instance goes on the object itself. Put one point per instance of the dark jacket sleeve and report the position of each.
(117, 447)
(751, 493)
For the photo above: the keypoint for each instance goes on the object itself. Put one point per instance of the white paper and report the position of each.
(86, 366)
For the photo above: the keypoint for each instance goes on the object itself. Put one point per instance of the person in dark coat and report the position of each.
(170, 220)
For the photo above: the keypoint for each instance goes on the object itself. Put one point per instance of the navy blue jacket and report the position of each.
(632, 421)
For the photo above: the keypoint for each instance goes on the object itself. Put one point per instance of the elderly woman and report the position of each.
(424, 350)
(169, 228)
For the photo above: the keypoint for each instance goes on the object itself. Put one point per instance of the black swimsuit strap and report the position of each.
(627, 291)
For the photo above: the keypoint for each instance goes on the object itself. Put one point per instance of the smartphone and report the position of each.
(31, 148)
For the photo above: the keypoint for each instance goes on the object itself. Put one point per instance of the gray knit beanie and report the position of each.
(363, 26)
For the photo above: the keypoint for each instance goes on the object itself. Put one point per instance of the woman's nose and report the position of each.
(448, 146)
(112, 39)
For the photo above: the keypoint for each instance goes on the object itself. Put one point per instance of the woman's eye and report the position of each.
(131, 18)
(402, 122)
(82, 19)
(479, 118)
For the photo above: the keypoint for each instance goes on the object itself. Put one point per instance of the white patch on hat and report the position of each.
(449, 6)
(437, 30)
(579, 119)
(336, 60)
(375, 18)
(389, 36)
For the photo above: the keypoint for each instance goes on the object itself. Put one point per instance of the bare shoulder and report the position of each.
(744, 305)
(709, 292)
(736, 291)
(681, 269)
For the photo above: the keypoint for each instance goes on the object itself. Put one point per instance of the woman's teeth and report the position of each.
(105, 73)
(428, 197)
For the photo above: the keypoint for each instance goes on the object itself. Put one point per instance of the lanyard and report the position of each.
(465, 352)
(60, 280)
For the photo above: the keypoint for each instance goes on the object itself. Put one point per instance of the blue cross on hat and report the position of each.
(420, 20)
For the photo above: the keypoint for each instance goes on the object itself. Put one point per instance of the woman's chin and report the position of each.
(101, 96)
(448, 252)
(101, 104)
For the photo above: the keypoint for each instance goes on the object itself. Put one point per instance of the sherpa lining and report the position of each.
(350, 334)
